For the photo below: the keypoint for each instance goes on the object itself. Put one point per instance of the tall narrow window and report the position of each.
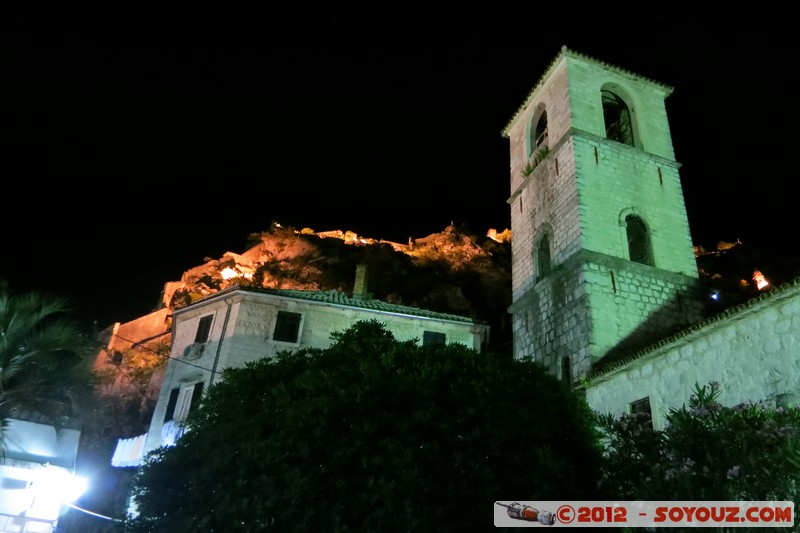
(540, 131)
(543, 257)
(566, 370)
(173, 400)
(203, 329)
(617, 116)
(639, 248)
(287, 327)
(183, 400)
(537, 133)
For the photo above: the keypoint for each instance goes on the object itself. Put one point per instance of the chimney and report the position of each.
(360, 286)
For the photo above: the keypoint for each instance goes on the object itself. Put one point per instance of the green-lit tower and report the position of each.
(603, 263)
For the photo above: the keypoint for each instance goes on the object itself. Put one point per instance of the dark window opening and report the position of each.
(617, 116)
(197, 393)
(182, 401)
(543, 257)
(638, 240)
(433, 338)
(203, 329)
(642, 407)
(173, 399)
(287, 326)
(566, 371)
(540, 132)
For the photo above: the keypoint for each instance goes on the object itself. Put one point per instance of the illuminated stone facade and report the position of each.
(752, 351)
(604, 279)
(578, 295)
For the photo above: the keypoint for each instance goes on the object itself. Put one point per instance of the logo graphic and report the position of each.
(646, 514)
(528, 514)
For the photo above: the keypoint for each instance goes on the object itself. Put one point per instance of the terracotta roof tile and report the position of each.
(339, 298)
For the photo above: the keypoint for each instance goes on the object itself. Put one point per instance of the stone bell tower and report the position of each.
(603, 263)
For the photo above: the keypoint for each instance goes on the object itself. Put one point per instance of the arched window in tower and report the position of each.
(540, 131)
(543, 257)
(537, 134)
(617, 116)
(639, 249)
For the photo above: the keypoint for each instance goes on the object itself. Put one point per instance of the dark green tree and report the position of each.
(371, 434)
(45, 372)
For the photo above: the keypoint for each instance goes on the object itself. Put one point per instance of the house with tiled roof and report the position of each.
(242, 324)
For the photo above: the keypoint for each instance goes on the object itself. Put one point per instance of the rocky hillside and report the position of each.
(455, 271)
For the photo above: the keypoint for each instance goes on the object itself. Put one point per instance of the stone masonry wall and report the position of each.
(551, 321)
(549, 202)
(753, 351)
(595, 306)
(615, 180)
(633, 305)
(647, 100)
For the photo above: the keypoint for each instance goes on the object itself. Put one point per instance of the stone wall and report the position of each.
(144, 333)
(752, 350)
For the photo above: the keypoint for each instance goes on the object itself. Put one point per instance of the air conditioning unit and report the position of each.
(194, 351)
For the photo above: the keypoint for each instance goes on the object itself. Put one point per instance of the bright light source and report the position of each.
(74, 490)
(60, 484)
(715, 295)
(54, 487)
(760, 280)
(228, 273)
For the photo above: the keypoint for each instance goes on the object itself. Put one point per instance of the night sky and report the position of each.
(140, 139)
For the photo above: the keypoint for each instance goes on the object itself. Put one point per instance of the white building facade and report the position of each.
(239, 325)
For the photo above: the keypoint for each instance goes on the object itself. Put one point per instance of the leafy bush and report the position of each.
(706, 452)
(371, 434)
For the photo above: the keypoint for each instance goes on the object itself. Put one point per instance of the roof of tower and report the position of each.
(566, 52)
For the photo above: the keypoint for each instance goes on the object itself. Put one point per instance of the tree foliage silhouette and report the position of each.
(371, 434)
(45, 376)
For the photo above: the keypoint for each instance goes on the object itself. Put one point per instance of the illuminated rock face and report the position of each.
(603, 262)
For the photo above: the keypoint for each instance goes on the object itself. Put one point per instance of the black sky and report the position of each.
(142, 137)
